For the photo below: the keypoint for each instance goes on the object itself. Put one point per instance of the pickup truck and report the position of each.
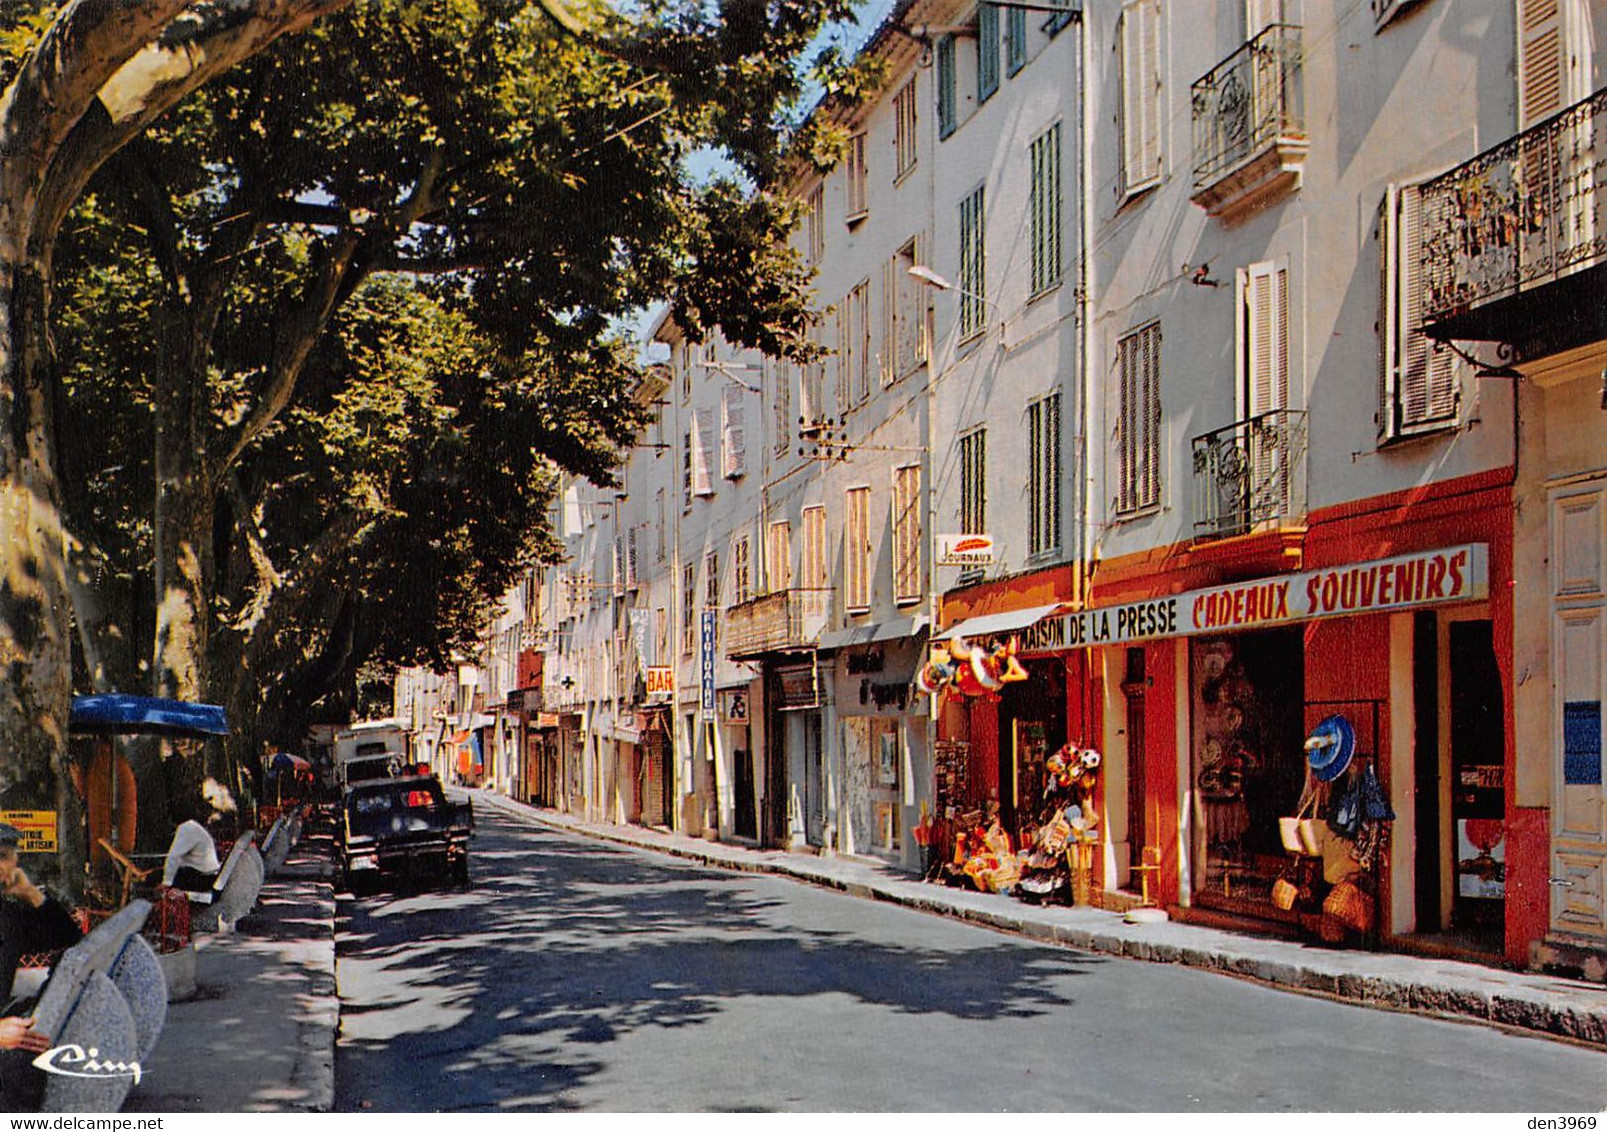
(403, 827)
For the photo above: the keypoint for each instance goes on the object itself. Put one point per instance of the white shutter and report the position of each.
(631, 562)
(1259, 15)
(890, 294)
(702, 444)
(1142, 109)
(572, 523)
(1266, 338)
(845, 350)
(1542, 60)
(618, 578)
(1419, 385)
(736, 445)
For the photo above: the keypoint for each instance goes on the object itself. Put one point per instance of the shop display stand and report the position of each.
(1363, 715)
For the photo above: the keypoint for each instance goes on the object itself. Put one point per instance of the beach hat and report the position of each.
(1330, 747)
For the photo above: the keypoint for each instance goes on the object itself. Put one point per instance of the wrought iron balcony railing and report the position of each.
(1247, 102)
(1527, 212)
(777, 621)
(1251, 473)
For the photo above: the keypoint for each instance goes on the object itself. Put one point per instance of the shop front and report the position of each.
(735, 710)
(1225, 708)
(795, 811)
(883, 735)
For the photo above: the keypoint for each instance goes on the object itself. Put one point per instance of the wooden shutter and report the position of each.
(862, 341)
(779, 565)
(906, 532)
(1387, 309)
(888, 361)
(1265, 338)
(946, 87)
(856, 537)
(1141, 93)
(702, 446)
(736, 444)
(1427, 378)
(1542, 60)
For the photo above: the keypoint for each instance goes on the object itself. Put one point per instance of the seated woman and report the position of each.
(31, 920)
(192, 858)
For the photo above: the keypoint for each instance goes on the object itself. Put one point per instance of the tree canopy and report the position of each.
(326, 331)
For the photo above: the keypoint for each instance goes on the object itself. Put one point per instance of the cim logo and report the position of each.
(75, 1061)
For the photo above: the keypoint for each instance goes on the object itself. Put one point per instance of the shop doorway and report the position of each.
(1032, 726)
(1134, 681)
(1248, 764)
(814, 799)
(743, 822)
(773, 810)
(1477, 731)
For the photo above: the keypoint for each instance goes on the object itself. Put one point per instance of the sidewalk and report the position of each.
(1536, 1003)
(259, 1034)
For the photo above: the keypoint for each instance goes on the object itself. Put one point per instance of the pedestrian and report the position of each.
(31, 920)
(192, 858)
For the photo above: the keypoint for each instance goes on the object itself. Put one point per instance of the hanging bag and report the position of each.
(1302, 833)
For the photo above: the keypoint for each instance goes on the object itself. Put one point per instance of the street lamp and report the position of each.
(928, 278)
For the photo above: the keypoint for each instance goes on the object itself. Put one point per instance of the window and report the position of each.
(814, 560)
(1059, 19)
(987, 51)
(661, 540)
(974, 482)
(856, 547)
(778, 557)
(947, 89)
(907, 533)
(631, 561)
(1419, 384)
(853, 347)
(702, 452)
(741, 570)
(1142, 105)
(904, 126)
(617, 575)
(1043, 475)
(781, 405)
(711, 580)
(734, 444)
(686, 372)
(905, 311)
(1138, 420)
(858, 202)
(688, 608)
(1045, 208)
(1015, 40)
(973, 264)
(814, 225)
(812, 386)
(686, 469)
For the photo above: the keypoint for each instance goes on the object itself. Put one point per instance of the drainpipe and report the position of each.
(1082, 576)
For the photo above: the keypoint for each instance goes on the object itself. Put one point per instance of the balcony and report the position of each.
(1250, 124)
(1514, 242)
(1251, 475)
(777, 622)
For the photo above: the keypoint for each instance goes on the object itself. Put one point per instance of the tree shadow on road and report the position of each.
(487, 994)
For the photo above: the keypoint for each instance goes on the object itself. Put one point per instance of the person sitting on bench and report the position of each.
(31, 921)
(192, 859)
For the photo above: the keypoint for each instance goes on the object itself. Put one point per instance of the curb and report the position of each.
(1464, 992)
(318, 1022)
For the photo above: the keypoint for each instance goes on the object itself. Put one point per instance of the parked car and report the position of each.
(403, 827)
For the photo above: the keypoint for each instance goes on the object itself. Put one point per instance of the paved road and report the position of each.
(579, 976)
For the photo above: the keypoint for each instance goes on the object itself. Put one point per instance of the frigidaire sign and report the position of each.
(1435, 577)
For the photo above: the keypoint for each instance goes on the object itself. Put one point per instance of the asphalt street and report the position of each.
(575, 975)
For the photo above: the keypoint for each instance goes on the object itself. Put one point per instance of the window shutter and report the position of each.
(1427, 381)
(1266, 338)
(779, 566)
(631, 574)
(619, 567)
(890, 314)
(1141, 93)
(1386, 420)
(736, 450)
(946, 87)
(1542, 58)
(702, 444)
(781, 378)
(987, 51)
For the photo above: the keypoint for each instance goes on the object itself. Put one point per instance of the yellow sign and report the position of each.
(38, 829)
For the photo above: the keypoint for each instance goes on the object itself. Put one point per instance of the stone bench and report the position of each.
(235, 891)
(103, 1007)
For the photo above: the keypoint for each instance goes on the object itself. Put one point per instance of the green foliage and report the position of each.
(364, 287)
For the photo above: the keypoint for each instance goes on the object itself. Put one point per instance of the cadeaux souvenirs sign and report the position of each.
(1435, 577)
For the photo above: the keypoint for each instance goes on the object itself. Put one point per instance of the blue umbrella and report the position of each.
(146, 715)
